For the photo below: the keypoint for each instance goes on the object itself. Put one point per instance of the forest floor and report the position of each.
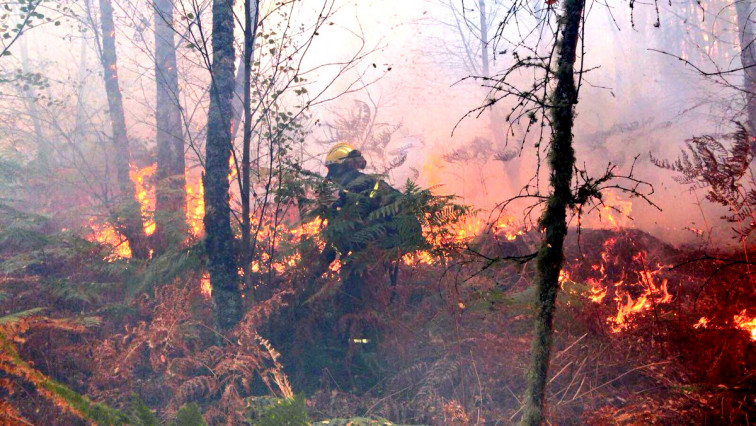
(646, 333)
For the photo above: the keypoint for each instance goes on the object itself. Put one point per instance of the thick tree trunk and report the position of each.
(554, 220)
(170, 197)
(746, 20)
(219, 240)
(251, 10)
(129, 217)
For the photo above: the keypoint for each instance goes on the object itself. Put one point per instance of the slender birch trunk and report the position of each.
(251, 10)
(561, 159)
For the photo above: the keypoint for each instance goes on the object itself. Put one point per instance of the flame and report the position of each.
(615, 210)
(508, 228)
(195, 207)
(744, 322)
(419, 257)
(232, 171)
(462, 232)
(205, 287)
(703, 322)
(637, 288)
(335, 266)
(106, 234)
(597, 291)
(655, 291)
(146, 198)
(310, 229)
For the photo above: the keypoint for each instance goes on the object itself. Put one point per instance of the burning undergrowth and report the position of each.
(645, 332)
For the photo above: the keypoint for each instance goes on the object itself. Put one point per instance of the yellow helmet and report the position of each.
(338, 153)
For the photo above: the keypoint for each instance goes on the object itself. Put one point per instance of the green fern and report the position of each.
(189, 415)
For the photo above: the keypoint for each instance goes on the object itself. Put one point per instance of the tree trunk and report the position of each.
(28, 93)
(170, 192)
(251, 10)
(485, 66)
(129, 217)
(219, 240)
(745, 14)
(496, 121)
(554, 219)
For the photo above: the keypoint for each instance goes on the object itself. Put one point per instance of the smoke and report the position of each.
(636, 100)
(416, 74)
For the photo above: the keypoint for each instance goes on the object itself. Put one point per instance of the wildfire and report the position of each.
(146, 198)
(205, 287)
(419, 257)
(744, 322)
(310, 229)
(463, 232)
(634, 287)
(615, 210)
(106, 234)
(195, 207)
(232, 171)
(335, 266)
(145, 194)
(507, 228)
(703, 322)
(597, 291)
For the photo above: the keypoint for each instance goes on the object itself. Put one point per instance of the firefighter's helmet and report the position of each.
(338, 153)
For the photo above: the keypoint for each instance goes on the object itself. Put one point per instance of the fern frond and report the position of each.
(196, 388)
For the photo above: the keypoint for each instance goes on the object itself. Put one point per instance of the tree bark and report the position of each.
(219, 240)
(485, 66)
(129, 217)
(170, 192)
(554, 220)
(745, 16)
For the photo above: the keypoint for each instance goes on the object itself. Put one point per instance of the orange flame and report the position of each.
(703, 322)
(195, 207)
(145, 197)
(655, 291)
(107, 235)
(624, 290)
(744, 322)
(205, 287)
(597, 291)
(508, 228)
(615, 210)
(232, 171)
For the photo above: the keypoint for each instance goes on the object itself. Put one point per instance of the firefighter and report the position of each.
(351, 222)
(363, 216)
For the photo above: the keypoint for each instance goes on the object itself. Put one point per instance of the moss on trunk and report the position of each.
(554, 219)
